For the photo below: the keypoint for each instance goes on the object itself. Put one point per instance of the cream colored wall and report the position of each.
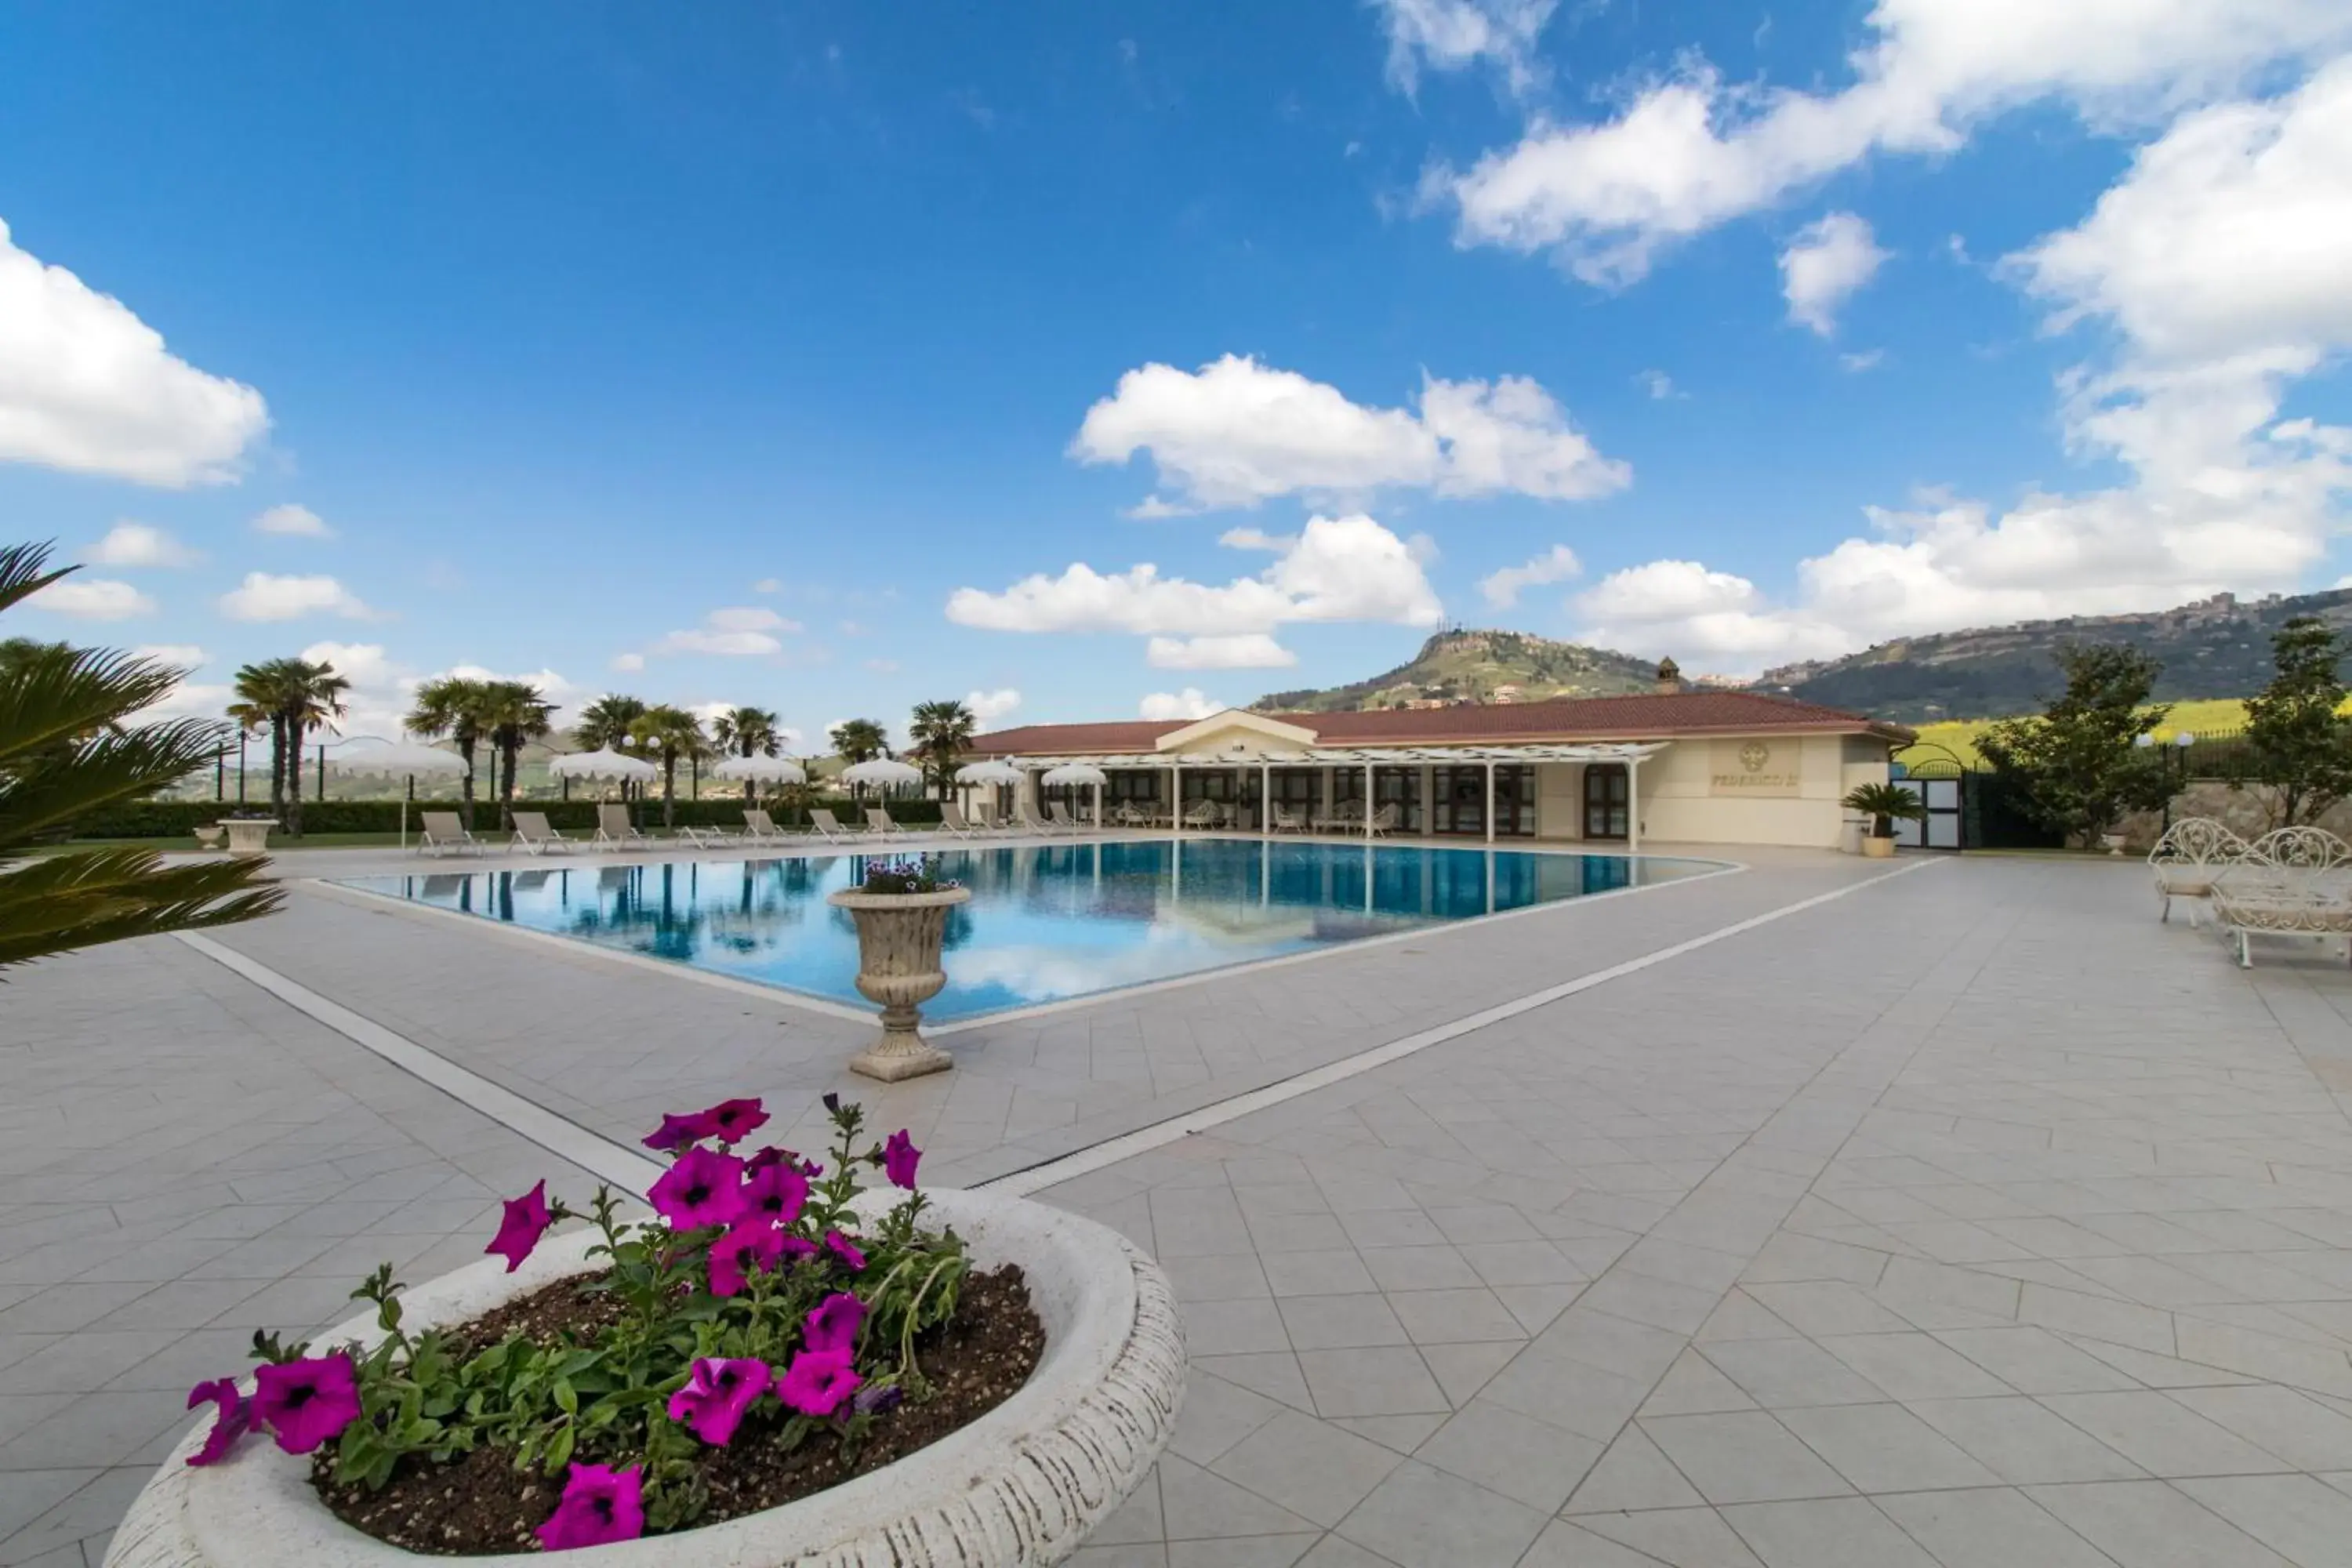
(1677, 806)
(1559, 800)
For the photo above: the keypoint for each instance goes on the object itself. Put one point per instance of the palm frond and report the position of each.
(21, 577)
(82, 898)
(106, 769)
(57, 693)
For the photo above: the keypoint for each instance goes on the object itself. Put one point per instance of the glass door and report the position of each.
(1607, 802)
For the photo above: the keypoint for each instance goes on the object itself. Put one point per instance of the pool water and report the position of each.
(1046, 922)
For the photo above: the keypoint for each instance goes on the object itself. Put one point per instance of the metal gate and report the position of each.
(1942, 795)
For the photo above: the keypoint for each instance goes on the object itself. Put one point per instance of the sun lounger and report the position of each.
(445, 834)
(952, 818)
(759, 827)
(616, 831)
(1029, 823)
(827, 827)
(534, 836)
(1063, 820)
(880, 826)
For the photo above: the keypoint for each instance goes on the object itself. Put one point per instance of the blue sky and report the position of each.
(838, 358)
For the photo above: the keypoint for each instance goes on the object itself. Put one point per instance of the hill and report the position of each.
(2216, 647)
(1479, 666)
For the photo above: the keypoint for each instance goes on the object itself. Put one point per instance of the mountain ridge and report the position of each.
(1467, 665)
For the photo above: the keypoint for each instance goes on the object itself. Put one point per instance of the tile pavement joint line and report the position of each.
(559, 1135)
(1110, 1152)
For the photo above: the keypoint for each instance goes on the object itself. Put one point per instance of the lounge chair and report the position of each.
(1029, 823)
(826, 826)
(534, 836)
(1063, 820)
(759, 827)
(1384, 821)
(616, 831)
(880, 826)
(952, 818)
(445, 834)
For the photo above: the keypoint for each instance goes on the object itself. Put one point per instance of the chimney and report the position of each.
(1669, 679)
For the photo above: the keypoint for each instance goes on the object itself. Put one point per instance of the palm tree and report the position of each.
(312, 699)
(260, 705)
(747, 732)
(669, 734)
(1884, 803)
(941, 731)
(69, 745)
(460, 709)
(515, 714)
(608, 723)
(856, 741)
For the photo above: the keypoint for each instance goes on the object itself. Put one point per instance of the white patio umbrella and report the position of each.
(408, 758)
(882, 773)
(603, 764)
(995, 771)
(761, 770)
(1080, 773)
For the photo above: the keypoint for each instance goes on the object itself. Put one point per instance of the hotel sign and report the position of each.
(1757, 768)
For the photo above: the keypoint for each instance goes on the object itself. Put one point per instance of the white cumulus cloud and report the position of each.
(988, 707)
(1189, 703)
(1502, 589)
(130, 544)
(93, 599)
(1338, 568)
(1827, 260)
(1454, 34)
(180, 655)
(736, 631)
(1235, 433)
(267, 596)
(299, 521)
(1694, 150)
(1242, 650)
(87, 386)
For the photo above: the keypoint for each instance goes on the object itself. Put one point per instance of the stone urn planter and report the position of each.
(211, 836)
(1020, 1487)
(247, 834)
(1876, 848)
(898, 940)
(2113, 842)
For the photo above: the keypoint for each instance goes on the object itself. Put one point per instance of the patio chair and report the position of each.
(1282, 819)
(1384, 821)
(880, 826)
(534, 836)
(445, 834)
(706, 836)
(1030, 824)
(1203, 814)
(2242, 913)
(759, 827)
(826, 826)
(952, 818)
(2188, 860)
(1063, 820)
(616, 831)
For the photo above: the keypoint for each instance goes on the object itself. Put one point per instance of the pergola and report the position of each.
(1173, 764)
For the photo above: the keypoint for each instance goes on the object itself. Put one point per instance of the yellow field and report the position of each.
(2205, 714)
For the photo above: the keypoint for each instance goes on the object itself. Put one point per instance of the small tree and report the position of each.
(70, 743)
(856, 741)
(459, 707)
(2078, 761)
(1883, 804)
(941, 733)
(2299, 752)
(670, 733)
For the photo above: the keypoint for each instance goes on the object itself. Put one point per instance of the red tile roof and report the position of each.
(1646, 716)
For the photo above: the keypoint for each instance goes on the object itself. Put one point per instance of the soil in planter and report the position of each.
(479, 1503)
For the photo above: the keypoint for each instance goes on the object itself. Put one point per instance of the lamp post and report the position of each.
(2181, 740)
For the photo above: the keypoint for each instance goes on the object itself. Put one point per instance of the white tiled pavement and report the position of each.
(1973, 1218)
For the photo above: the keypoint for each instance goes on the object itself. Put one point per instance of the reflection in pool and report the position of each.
(1045, 921)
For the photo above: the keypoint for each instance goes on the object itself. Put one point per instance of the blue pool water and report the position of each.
(1045, 923)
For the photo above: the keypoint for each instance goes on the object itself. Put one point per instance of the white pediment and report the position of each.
(1236, 731)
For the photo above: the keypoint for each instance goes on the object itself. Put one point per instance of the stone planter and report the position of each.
(2113, 841)
(210, 838)
(245, 836)
(1876, 848)
(898, 938)
(1020, 1487)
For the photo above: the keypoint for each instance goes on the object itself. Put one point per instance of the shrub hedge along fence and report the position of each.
(181, 818)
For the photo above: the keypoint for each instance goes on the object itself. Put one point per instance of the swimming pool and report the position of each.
(1045, 922)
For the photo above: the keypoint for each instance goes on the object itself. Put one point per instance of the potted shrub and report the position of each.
(901, 910)
(1884, 803)
(776, 1368)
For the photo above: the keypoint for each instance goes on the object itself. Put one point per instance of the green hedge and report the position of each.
(180, 818)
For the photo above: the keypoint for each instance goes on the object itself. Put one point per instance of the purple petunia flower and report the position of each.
(677, 1132)
(876, 1399)
(817, 1382)
(702, 1188)
(234, 1418)
(832, 1327)
(526, 1220)
(845, 1249)
(599, 1505)
(750, 1247)
(899, 1157)
(775, 1193)
(733, 1120)
(715, 1400)
(306, 1403)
